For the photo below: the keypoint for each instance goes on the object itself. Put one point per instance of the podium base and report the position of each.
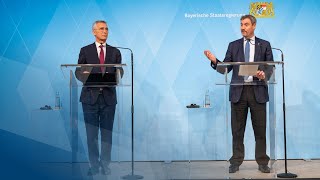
(286, 175)
(132, 177)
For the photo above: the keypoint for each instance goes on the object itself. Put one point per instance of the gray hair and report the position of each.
(96, 22)
(252, 18)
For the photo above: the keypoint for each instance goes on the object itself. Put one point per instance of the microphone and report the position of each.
(280, 52)
(119, 47)
(285, 174)
(131, 175)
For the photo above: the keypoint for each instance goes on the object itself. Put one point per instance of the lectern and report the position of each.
(120, 80)
(242, 74)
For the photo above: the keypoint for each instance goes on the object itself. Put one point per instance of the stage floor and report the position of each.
(186, 170)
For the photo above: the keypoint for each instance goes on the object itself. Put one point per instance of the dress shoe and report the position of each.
(264, 168)
(93, 171)
(233, 168)
(105, 171)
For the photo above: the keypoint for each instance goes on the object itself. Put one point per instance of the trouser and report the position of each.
(99, 116)
(239, 112)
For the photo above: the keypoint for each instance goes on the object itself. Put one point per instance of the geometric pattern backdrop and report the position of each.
(170, 71)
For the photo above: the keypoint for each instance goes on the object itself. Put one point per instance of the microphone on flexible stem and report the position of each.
(131, 176)
(285, 174)
(123, 48)
(126, 48)
(281, 53)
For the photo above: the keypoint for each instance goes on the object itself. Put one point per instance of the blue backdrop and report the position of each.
(170, 72)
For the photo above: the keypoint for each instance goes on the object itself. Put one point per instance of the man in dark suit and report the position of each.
(98, 103)
(251, 93)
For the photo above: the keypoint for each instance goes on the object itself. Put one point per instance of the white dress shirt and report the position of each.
(252, 49)
(98, 49)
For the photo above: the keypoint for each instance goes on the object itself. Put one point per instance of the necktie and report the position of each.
(247, 54)
(101, 57)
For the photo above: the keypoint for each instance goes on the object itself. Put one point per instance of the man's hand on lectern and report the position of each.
(261, 75)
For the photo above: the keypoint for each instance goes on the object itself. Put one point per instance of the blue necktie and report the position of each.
(247, 55)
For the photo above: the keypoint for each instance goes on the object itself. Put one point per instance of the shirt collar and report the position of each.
(98, 44)
(252, 39)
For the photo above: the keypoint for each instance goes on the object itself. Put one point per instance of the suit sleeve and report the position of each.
(228, 58)
(79, 70)
(268, 57)
(119, 61)
(82, 57)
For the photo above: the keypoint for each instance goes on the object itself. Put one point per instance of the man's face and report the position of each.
(247, 28)
(101, 32)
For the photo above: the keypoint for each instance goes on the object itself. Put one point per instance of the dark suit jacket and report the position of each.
(235, 53)
(89, 55)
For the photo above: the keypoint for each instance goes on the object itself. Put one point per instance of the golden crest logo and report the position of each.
(262, 9)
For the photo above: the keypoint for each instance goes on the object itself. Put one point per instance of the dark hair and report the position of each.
(252, 18)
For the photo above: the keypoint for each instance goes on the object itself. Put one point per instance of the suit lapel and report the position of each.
(241, 51)
(108, 58)
(94, 54)
(257, 51)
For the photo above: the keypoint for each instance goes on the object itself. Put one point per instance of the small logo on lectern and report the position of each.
(262, 9)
